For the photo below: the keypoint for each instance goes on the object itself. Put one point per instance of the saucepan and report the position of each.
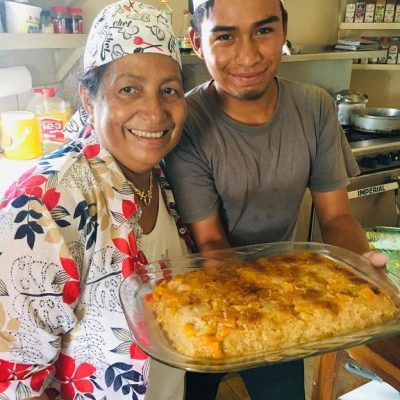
(377, 120)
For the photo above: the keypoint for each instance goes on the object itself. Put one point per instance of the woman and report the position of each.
(72, 228)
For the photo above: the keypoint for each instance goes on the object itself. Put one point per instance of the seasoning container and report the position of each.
(397, 12)
(59, 18)
(369, 11)
(384, 44)
(360, 11)
(393, 50)
(389, 11)
(379, 10)
(46, 23)
(350, 11)
(76, 18)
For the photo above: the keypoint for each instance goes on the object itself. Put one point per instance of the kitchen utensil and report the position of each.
(348, 101)
(377, 120)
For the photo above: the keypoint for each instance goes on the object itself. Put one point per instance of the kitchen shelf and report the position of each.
(377, 67)
(370, 26)
(308, 55)
(25, 41)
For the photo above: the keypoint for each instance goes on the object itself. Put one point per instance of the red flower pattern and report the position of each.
(73, 378)
(15, 372)
(71, 288)
(134, 257)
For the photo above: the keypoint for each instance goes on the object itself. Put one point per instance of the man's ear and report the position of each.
(86, 102)
(196, 42)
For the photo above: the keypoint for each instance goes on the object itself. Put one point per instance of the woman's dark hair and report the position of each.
(204, 9)
(92, 79)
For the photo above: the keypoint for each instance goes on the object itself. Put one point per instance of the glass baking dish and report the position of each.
(151, 338)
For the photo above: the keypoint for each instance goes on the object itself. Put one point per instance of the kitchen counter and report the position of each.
(11, 170)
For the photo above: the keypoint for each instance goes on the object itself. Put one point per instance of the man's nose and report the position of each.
(248, 52)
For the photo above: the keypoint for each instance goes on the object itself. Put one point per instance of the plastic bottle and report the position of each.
(389, 11)
(360, 11)
(166, 10)
(35, 100)
(46, 23)
(393, 50)
(397, 12)
(53, 114)
(384, 44)
(184, 43)
(59, 18)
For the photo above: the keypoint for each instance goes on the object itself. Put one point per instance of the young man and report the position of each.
(252, 144)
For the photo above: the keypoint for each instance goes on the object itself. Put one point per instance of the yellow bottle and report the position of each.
(53, 113)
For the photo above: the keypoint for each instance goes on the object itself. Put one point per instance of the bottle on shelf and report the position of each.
(35, 100)
(53, 114)
(166, 10)
(369, 11)
(397, 12)
(46, 23)
(360, 11)
(350, 11)
(379, 11)
(184, 43)
(384, 44)
(389, 11)
(393, 50)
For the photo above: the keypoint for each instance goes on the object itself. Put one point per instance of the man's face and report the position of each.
(241, 43)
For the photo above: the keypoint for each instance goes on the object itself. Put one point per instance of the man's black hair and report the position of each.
(204, 9)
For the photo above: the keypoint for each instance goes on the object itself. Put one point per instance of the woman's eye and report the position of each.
(128, 90)
(170, 91)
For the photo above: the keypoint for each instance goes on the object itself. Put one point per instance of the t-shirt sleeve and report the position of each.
(334, 163)
(189, 172)
(39, 287)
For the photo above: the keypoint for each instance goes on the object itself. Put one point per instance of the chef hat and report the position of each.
(128, 27)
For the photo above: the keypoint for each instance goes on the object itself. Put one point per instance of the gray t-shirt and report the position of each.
(256, 176)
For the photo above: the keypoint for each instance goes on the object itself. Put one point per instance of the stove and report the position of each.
(374, 151)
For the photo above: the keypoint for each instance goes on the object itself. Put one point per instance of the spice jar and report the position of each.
(75, 14)
(59, 17)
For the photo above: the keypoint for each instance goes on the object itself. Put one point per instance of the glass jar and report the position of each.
(59, 18)
(75, 13)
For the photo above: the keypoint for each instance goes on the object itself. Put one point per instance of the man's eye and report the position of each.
(128, 90)
(224, 37)
(264, 31)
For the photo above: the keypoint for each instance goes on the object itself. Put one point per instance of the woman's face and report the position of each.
(139, 110)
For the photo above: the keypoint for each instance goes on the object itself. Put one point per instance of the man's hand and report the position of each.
(378, 260)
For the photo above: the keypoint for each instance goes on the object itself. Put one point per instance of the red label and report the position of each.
(52, 130)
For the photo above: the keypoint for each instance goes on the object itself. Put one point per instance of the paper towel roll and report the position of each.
(14, 80)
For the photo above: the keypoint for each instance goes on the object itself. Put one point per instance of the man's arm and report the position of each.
(209, 234)
(339, 227)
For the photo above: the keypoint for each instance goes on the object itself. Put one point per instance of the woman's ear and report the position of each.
(196, 42)
(86, 102)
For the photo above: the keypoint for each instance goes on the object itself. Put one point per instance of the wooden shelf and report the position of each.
(370, 26)
(24, 41)
(308, 55)
(377, 67)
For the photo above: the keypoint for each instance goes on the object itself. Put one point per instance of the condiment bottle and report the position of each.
(46, 23)
(53, 114)
(75, 14)
(350, 11)
(389, 11)
(59, 17)
(379, 10)
(393, 50)
(360, 11)
(397, 12)
(184, 43)
(369, 11)
(166, 10)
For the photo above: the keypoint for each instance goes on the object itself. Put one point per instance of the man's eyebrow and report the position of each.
(222, 28)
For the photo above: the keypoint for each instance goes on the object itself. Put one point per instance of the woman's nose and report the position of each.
(154, 108)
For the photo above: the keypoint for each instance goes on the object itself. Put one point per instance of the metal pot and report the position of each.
(347, 102)
(377, 120)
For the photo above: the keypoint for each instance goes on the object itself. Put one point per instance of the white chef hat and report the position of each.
(128, 27)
